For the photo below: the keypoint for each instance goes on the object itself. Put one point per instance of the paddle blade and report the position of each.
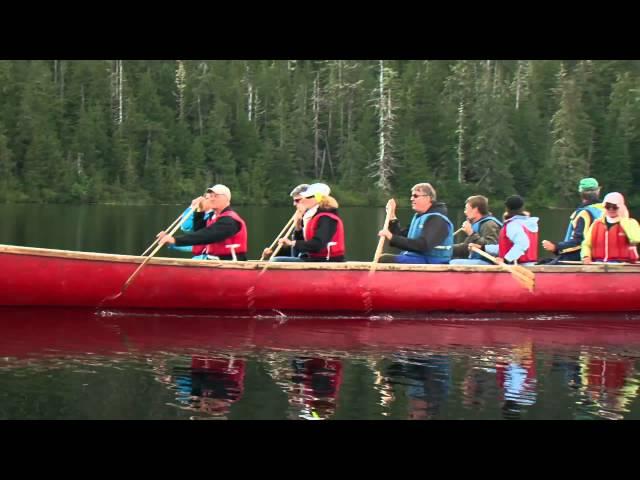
(524, 281)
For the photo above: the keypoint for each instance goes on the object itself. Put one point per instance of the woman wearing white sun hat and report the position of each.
(321, 238)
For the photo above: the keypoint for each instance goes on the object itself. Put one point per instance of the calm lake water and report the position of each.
(75, 364)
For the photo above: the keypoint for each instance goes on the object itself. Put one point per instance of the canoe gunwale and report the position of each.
(341, 266)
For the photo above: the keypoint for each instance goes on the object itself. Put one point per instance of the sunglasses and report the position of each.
(416, 195)
(296, 200)
(611, 207)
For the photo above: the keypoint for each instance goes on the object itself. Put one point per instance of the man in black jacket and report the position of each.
(429, 237)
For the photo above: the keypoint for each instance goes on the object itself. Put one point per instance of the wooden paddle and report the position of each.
(525, 277)
(155, 250)
(157, 239)
(378, 252)
(275, 252)
(279, 236)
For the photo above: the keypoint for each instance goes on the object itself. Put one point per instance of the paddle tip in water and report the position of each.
(110, 298)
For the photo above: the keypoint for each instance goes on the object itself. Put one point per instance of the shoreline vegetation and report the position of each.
(160, 131)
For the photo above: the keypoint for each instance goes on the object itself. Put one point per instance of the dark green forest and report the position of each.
(135, 131)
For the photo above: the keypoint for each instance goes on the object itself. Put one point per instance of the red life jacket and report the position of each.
(219, 248)
(611, 243)
(612, 374)
(505, 244)
(228, 372)
(316, 385)
(338, 237)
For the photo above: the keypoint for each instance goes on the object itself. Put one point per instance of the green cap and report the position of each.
(588, 184)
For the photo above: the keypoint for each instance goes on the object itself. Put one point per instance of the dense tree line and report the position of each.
(161, 131)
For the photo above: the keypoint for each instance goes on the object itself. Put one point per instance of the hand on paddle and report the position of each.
(199, 203)
(471, 246)
(165, 238)
(466, 227)
(548, 246)
(391, 213)
(286, 242)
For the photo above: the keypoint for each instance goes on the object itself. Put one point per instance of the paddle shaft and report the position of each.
(275, 252)
(381, 240)
(155, 250)
(279, 236)
(173, 224)
(279, 247)
(522, 273)
(167, 229)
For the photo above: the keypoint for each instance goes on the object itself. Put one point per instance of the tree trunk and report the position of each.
(120, 94)
(518, 80)
(460, 139)
(199, 115)
(316, 125)
(181, 76)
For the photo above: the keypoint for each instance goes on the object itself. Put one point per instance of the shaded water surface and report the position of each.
(64, 364)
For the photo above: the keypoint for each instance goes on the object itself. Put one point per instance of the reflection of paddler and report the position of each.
(382, 384)
(211, 384)
(516, 375)
(427, 378)
(608, 382)
(316, 383)
(218, 377)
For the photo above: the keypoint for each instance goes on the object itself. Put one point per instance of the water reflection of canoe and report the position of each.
(55, 331)
(34, 276)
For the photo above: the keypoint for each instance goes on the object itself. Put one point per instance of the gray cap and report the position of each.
(296, 191)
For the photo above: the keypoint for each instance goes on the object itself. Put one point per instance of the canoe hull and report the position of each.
(42, 277)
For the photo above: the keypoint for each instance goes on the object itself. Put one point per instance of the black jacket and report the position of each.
(434, 232)
(225, 227)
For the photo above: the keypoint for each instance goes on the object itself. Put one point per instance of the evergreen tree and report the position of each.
(571, 138)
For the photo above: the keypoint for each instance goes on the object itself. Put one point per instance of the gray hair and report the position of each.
(425, 189)
(300, 188)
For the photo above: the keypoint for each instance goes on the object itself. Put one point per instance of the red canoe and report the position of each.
(44, 277)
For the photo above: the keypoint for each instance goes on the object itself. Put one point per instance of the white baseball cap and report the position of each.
(220, 189)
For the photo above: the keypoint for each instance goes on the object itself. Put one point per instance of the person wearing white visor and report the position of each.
(321, 238)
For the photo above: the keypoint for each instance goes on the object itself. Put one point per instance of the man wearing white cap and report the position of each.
(224, 235)
(614, 236)
(321, 238)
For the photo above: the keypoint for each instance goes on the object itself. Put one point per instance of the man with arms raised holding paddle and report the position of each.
(224, 235)
(429, 237)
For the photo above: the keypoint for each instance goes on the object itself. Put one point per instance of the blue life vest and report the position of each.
(595, 210)
(438, 254)
(476, 229)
